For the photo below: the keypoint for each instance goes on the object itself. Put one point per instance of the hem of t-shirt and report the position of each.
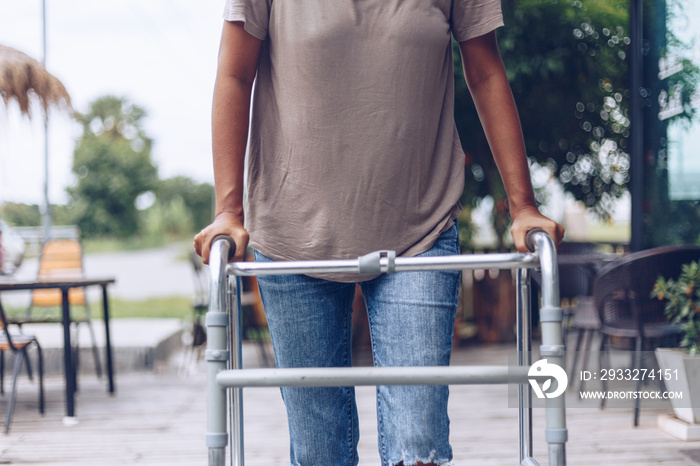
(232, 13)
(333, 277)
(428, 241)
(421, 246)
(478, 30)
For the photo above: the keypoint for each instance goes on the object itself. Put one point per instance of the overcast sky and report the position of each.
(160, 54)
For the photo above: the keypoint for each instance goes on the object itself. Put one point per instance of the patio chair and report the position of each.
(62, 258)
(18, 344)
(254, 323)
(575, 283)
(196, 334)
(578, 263)
(629, 318)
(586, 325)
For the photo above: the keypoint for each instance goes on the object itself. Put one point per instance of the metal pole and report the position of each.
(236, 363)
(368, 376)
(217, 353)
(382, 264)
(552, 348)
(636, 127)
(46, 214)
(524, 337)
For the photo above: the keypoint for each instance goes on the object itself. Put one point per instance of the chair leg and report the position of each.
(2, 372)
(93, 338)
(40, 364)
(24, 354)
(75, 353)
(95, 350)
(588, 336)
(30, 372)
(601, 354)
(638, 365)
(13, 395)
(566, 322)
(574, 361)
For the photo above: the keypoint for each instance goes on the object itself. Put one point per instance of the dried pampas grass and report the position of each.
(24, 79)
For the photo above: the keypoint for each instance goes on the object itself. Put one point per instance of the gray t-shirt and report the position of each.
(353, 146)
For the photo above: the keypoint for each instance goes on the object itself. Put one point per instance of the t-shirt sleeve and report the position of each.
(474, 18)
(254, 14)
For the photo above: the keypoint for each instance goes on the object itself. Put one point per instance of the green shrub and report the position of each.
(683, 303)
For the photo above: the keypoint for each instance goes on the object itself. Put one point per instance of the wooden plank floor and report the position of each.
(159, 419)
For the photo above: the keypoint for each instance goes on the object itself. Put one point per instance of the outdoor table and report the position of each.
(12, 284)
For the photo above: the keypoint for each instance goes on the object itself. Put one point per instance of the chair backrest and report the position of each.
(576, 280)
(60, 259)
(578, 263)
(201, 281)
(622, 288)
(569, 247)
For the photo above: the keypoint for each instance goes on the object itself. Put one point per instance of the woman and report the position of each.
(353, 148)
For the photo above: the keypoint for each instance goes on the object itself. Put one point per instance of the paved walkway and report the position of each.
(137, 344)
(159, 419)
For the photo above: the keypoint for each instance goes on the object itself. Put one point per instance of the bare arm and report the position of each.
(238, 60)
(488, 85)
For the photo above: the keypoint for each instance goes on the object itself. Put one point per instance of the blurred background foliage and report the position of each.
(118, 193)
(566, 62)
(112, 162)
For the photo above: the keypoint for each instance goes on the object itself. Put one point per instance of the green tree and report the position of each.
(176, 208)
(21, 215)
(196, 197)
(29, 215)
(112, 161)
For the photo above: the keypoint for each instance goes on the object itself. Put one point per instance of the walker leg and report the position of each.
(236, 362)
(557, 453)
(217, 456)
(552, 348)
(524, 337)
(217, 353)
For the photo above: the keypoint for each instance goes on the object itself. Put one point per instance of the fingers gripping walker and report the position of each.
(223, 353)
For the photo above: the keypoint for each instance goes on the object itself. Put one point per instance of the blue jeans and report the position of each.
(411, 318)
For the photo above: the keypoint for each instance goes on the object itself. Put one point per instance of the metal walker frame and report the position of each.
(224, 367)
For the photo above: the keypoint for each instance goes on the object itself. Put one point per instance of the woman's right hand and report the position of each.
(226, 223)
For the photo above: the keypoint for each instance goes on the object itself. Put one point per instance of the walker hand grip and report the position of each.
(530, 240)
(231, 244)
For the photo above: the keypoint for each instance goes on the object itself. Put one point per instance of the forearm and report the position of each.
(230, 116)
(488, 85)
(499, 118)
(238, 62)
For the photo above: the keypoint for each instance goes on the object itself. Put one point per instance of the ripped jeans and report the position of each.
(411, 318)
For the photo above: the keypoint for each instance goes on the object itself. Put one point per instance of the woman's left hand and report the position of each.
(529, 218)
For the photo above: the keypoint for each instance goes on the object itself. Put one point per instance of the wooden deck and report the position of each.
(159, 419)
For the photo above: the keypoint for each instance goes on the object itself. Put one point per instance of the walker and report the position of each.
(226, 378)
